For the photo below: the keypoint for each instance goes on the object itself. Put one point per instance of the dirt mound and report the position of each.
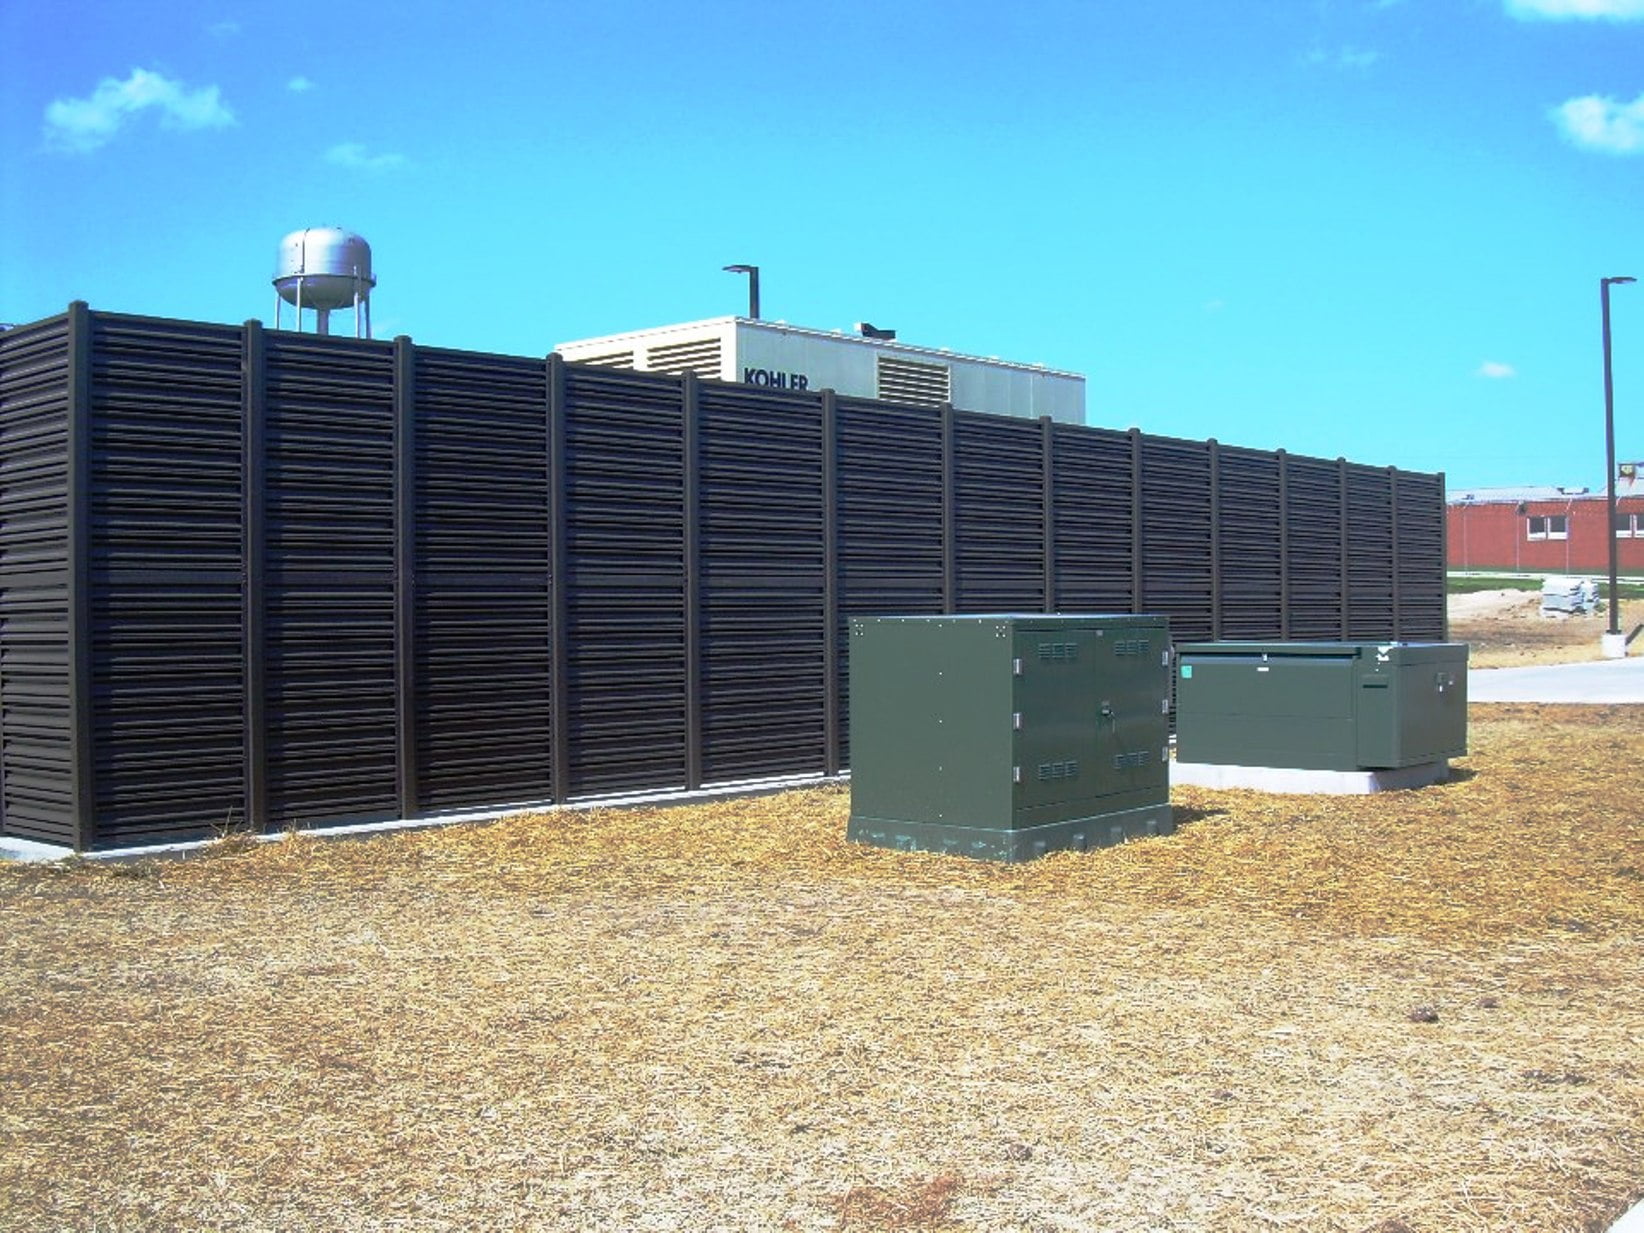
(1506, 629)
(1479, 604)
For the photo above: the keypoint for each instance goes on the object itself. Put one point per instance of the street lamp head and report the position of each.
(752, 271)
(1625, 278)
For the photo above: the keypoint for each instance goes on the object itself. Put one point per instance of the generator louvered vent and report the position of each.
(700, 357)
(908, 381)
(615, 359)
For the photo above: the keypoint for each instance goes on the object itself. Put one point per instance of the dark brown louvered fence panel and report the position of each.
(166, 561)
(38, 763)
(1250, 553)
(625, 586)
(330, 600)
(255, 575)
(760, 590)
(1093, 546)
(1176, 535)
(999, 540)
(1314, 549)
(482, 662)
(1370, 568)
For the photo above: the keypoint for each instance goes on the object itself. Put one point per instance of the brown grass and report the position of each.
(1415, 1012)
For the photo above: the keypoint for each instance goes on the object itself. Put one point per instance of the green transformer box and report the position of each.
(1006, 737)
(1338, 706)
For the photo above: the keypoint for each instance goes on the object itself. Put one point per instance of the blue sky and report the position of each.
(1370, 228)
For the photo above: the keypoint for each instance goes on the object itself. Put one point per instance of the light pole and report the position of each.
(1614, 647)
(752, 271)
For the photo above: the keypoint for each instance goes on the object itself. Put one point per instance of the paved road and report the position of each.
(1604, 681)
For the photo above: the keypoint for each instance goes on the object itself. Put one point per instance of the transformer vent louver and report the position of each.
(700, 356)
(616, 359)
(913, 383)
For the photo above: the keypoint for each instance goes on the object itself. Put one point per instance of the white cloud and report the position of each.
(223, 29)
(1350, 59)
(1595, 123)
(83, 124)
(353, 155)
(1494, 370)
(1561, 10)
(299, 85)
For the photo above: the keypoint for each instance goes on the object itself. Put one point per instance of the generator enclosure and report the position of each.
(1005, 737)
(1339, 706)
(776, 355)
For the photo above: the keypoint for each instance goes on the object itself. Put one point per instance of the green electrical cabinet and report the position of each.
(1338, 706)
(1006, 737)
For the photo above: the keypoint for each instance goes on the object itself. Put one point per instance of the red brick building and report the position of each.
(1542, 530)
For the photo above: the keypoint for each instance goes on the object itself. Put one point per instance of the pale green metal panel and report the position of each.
(1321, 705)
(1007, 736)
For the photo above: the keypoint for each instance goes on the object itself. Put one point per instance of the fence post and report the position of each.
(254, 551)
(82, 782)
(559, 686)
(405, 575)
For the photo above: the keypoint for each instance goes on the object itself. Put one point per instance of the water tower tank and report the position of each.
(324, 268)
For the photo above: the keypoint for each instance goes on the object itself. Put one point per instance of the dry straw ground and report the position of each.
(1415, 1013)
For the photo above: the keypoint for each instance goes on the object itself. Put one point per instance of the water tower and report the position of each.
(325, 268)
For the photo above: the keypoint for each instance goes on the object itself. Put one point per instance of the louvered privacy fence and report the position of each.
(256, 577)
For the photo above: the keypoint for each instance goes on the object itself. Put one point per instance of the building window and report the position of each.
(1548, 526)
(1629, 526)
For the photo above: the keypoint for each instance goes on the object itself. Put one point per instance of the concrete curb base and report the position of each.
(1291, 780)
(1630, 1222)
(28, 851)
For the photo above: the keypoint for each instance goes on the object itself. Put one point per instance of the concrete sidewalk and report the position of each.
(1602, 681)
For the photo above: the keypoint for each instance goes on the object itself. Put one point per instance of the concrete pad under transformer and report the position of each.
(1292, 781)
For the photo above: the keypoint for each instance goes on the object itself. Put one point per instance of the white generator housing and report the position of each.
(779, 356)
